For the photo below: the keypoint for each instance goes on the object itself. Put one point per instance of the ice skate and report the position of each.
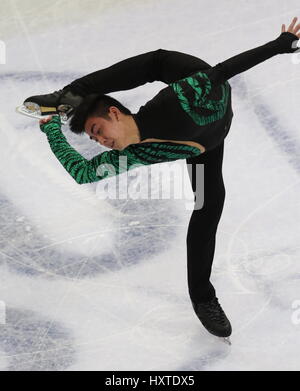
(62, 102)
(213, 318)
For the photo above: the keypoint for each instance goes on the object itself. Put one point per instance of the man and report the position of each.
(189, 120)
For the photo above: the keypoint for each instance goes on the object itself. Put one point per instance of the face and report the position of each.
(111, 133)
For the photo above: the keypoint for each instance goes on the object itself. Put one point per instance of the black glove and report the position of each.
(285, 42)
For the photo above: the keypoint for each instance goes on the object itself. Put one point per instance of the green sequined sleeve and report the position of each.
(110, 163)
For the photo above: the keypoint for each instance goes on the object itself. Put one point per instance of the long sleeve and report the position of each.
(158, 65)
(240, 63)
(110, 163)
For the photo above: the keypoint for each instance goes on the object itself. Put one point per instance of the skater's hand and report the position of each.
(288, 39)
(50, 124)
(45, 120)
(292, 28)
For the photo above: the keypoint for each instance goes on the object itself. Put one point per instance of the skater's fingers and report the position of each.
(291, 26)
(297, 28)
(283, 28)
(45, 120)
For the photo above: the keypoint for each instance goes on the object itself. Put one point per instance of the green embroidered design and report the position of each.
(114, 162)
(192, 93)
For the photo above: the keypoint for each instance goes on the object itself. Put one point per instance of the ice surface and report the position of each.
(94, 284)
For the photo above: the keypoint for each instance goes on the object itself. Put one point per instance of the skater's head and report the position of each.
(106, 121)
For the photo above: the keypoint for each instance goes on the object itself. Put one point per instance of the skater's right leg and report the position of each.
(123, 75)
(66, 100)
(120, 76)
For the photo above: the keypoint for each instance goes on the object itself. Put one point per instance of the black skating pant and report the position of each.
(201, 234)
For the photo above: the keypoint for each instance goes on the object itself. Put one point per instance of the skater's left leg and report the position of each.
(201, 235)
(201, 239)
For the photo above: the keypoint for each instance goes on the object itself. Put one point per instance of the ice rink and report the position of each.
(94, 284)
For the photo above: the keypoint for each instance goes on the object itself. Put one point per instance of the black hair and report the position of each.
(94, 105)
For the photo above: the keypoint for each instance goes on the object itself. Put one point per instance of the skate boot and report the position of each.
(213, 318)
(62, 102)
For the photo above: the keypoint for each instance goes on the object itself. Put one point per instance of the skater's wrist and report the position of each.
(51, 126)
(287, 42)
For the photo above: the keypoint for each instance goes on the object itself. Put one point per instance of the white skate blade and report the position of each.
(226, 340)
(37, 114)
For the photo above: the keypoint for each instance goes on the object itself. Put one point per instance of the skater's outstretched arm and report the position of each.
(158, 65)
(283, 44)
(109, 163)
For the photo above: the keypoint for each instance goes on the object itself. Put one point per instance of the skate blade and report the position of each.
(226, 340)
(34, 111)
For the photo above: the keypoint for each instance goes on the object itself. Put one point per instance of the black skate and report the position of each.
(62, 102)
(213, 318)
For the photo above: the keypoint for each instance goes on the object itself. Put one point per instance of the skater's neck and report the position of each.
(132, 130)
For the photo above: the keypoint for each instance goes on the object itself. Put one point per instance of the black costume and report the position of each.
(196, 106)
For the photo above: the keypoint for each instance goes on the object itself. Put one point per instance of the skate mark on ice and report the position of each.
(208, 359)
(272, 123)
(23, 350)
(25, 250)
